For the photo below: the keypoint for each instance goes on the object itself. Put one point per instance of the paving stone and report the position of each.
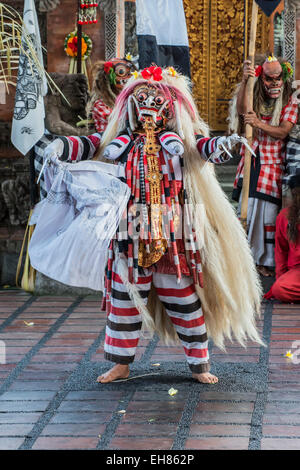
(141, 444)
(280, 444)
(227, 406)
(65, 443)
(158, 417)
(63, 350)
(281, 430)
(36, 385)
(94, 395)
(88, 405)
(19, 418)
(146, 429)
(10, 443)
(218, 443)
(218, 417)
(57, 358)
(51, 366)
(76, 429)
(288, 396)
(158, 395)
(284, 387)
(219, 430)
(15, 430)
(167, 358)
(138, 406)
(228, 396)
(228, 358)
(26, 395)
(82, 417)
(281, 407)
(6, 406)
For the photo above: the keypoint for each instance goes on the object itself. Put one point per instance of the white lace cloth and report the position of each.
(77, 220)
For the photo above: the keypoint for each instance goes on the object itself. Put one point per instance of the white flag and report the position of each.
(29, 112)
(162, 34)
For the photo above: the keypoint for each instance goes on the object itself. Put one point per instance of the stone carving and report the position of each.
(289, 36)
(110, 35)
(108, 6)
(17, 199)
(48, 5)
(3, 208)
(5, 132)
(61, 118)
(131, 44)
(292, 4)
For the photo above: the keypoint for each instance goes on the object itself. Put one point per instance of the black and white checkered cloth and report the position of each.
(292, 159)
(39, 160)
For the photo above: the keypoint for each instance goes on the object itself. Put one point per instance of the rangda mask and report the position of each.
(150, 100)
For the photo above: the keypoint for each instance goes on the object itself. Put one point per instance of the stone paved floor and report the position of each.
(49, 398)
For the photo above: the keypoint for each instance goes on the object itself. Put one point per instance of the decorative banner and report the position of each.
(29, 111)
(88, 12)
(268, 6)
(162, 34)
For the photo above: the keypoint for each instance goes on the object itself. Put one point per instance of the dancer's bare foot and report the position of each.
(119, 371)
(264, 271)
(206, 378)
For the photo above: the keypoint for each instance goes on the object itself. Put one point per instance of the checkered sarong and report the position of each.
(292, 159)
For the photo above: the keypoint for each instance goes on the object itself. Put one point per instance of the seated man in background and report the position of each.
(287, 249)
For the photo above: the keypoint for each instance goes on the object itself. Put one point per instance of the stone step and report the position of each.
(225, 169)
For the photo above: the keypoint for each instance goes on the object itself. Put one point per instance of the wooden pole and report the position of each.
(79, 38)
(120, 39)
(249, 129)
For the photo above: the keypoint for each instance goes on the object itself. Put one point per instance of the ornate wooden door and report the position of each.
(218, 36)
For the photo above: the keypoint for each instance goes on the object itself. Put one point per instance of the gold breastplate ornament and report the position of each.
(151, 252)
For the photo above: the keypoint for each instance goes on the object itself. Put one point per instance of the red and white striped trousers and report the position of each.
(182, 304)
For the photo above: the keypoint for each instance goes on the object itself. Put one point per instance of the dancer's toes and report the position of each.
(119, 371)
(206, 378)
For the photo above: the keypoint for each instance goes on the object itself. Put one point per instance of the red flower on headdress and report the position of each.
(258, 70)
(108, 66)
(152, 72)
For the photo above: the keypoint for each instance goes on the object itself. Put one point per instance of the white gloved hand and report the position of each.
(55, 148)
(225, 144)
(51, 154)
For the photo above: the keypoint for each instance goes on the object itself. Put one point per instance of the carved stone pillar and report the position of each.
(289, 41)
(113, 48)
(297, 74)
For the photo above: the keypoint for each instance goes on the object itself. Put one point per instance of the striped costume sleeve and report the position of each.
(80, 148)
(208, 146)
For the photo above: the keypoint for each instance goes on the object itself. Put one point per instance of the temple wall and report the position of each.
(297, 75)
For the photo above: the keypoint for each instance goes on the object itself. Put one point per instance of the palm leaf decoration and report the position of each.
(14, 40)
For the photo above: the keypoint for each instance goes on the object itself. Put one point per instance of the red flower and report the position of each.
(108, 66)
(152, 72)
(73, 44)
(258, 70)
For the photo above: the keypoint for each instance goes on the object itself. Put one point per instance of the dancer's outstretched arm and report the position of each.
(73, 148)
